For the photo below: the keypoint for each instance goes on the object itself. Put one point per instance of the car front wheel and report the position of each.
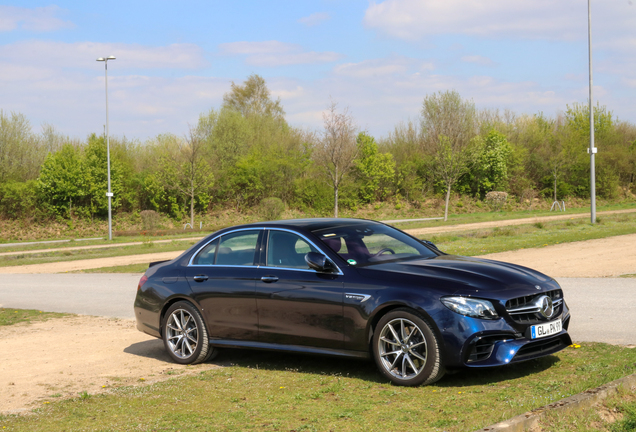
(184, 334)
(406, 349)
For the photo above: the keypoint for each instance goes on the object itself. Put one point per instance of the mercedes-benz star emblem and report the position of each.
(537, 287)
(546, 308)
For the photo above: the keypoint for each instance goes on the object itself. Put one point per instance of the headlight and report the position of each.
(475, 308)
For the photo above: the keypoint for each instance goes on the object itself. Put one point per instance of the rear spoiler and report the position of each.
(154, 263)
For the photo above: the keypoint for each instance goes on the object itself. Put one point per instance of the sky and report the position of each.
(176, 60)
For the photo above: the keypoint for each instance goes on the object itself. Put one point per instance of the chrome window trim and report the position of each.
(219, 236)
(340, 273)
(190, 264)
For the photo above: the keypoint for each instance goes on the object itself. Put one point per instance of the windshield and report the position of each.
(367, 244)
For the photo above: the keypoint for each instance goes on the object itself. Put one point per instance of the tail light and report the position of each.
(142, 281)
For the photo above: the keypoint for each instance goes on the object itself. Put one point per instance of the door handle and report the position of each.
(200, 278)
(269, 279)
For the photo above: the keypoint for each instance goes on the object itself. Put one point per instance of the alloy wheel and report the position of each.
(402, 349)
(182, 333)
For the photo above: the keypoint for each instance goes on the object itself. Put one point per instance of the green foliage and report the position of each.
(252, 99)
(491, 169)
(62, 180)
(20, 151)
(96, 177)
(246, 152)
(375, 171)
(20, 200)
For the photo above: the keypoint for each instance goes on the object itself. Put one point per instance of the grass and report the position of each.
(617, 413)
(480, 242)
(14, 316)
(145, 247)
(269, 391)
(488, 216)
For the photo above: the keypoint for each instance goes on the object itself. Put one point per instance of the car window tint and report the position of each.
(237, 248)
(285, 249)
(382, 242)
(206, 255)
(367, 244)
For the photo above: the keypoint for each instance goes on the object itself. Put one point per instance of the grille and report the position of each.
(522, 310)
(539, 347)
(482, 349)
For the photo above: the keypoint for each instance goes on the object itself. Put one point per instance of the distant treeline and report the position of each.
(246, 151)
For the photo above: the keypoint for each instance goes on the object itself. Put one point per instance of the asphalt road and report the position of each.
(603, 309)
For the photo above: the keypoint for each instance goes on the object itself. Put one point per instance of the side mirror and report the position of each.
(319, 262)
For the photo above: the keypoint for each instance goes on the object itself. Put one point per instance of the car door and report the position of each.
(222, 276)
(297, 305)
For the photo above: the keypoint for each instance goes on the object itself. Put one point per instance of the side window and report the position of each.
(237, 248)
(285, 249)
(206, 255)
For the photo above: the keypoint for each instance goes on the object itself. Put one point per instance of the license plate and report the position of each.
(547, 329)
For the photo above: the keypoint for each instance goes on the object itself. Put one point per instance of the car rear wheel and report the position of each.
(406, 349)
(185, 336)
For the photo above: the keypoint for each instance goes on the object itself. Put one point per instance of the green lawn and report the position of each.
(272, 391)
(14, 316)
(480, 242)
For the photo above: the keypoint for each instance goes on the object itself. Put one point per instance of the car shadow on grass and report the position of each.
(366, 370)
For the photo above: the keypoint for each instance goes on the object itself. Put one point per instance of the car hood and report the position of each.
(467, 275)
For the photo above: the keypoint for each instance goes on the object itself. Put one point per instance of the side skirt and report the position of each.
(289, 348)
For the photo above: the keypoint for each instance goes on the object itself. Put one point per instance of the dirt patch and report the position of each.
(607, 257)
(61, 358)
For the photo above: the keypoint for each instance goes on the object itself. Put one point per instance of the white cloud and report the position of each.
(382, 67)
(479, 60)
(48, 54)
(530, 19)
(274, 53)
(41, 19)
(315, 19)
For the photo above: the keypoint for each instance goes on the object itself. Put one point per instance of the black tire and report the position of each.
(406, 349)
(183, 319)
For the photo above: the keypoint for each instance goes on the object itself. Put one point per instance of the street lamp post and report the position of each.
(592, 150)
(109, 194)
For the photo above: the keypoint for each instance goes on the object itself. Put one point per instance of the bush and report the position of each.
(496, 200)
(149, 219)
(272, 208)
(19, 200)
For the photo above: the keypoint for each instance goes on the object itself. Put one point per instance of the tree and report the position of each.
(375, 170)
(185, 169)
(96, 176)
(491, 171)
(20, 151)
(62, 180)
(448, 129)
(337, 149)
(253, 99)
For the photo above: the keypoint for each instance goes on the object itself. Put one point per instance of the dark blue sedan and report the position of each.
(352, 288)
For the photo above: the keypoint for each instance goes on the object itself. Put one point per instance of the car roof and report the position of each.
(312, 224)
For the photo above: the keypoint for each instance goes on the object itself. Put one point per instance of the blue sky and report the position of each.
(175, 60)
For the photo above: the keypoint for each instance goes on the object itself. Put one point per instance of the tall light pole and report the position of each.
(592, 149)
(109, 194)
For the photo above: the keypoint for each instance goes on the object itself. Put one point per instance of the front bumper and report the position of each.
(482, 343)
